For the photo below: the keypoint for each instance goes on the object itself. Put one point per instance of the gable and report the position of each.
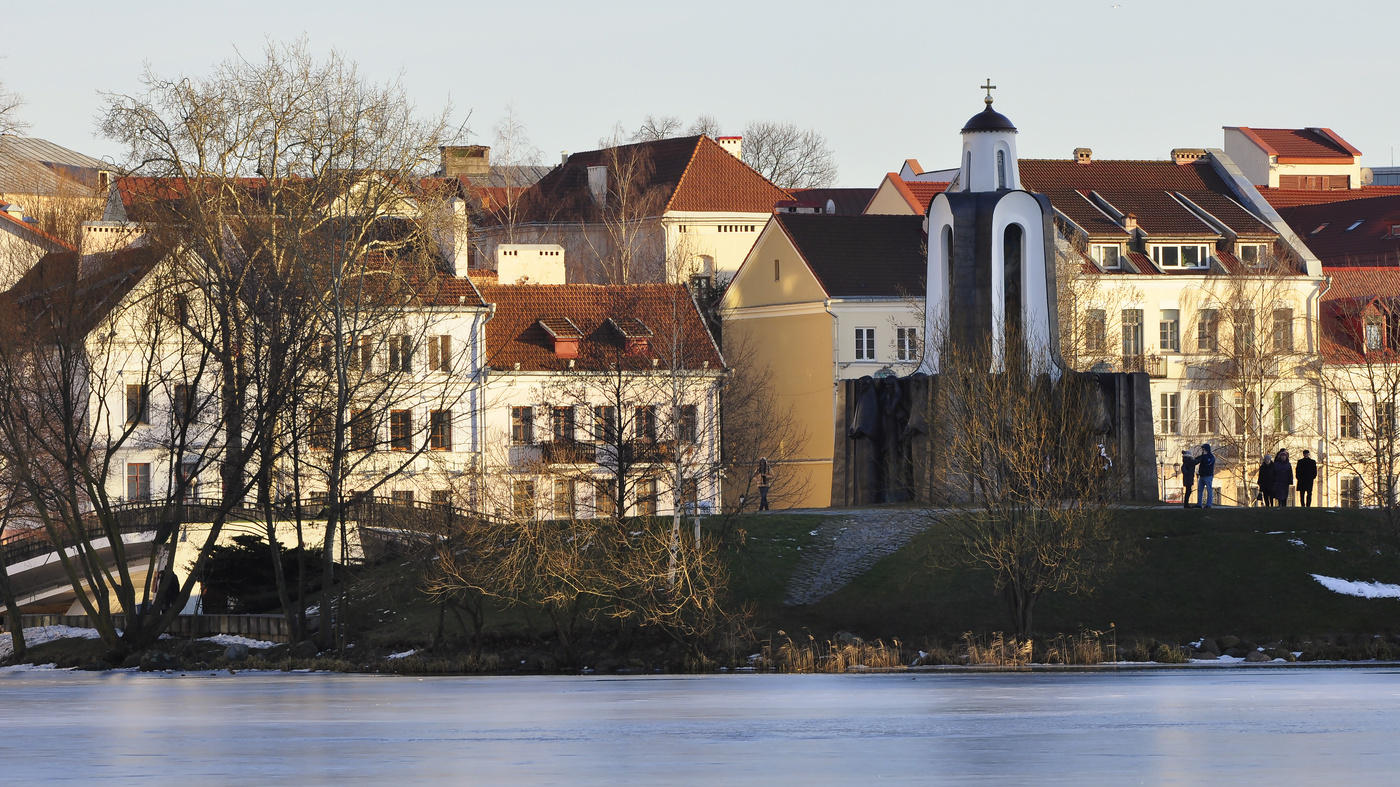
(755, 283)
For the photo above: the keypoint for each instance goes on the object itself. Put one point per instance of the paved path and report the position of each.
(847, 545)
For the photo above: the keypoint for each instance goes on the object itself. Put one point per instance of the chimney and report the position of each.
(735, 146)
(1083, 155)
(598, 184)
(473, 161)
(15, 211)
(563, 157)
(1130, 222)
(530, 263)
(1188, 155)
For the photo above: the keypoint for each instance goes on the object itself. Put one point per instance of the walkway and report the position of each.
(848, 544)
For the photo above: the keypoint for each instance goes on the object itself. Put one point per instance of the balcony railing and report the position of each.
(1156, 366)
(568, 452)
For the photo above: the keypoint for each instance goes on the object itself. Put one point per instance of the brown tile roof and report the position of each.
(848, 201)
(52, 286)
(1292, 144)
(1331, 230)
(861, 256)
(560, 328)
(682, 174)
(1287, 198)
(1352, 292)
(515, 336)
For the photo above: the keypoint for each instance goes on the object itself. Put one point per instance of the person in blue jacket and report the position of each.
(1205, 477)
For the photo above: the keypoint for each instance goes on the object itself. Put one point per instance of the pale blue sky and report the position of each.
(883, 81)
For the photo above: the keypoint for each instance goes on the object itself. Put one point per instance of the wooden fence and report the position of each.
(271, 628)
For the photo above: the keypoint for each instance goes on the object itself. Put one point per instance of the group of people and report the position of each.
(1276, 475)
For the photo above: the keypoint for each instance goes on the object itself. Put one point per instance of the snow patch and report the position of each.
(403, 655)
(1359, 589)
(1297, 542)
(1332, 549)
(234, 639)
(38, 635)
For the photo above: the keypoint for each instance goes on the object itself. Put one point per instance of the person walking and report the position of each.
(1283, 477)
(1205, 475)
(763, 482)
(1305, 473)
(1265, 480)
(1188, 477)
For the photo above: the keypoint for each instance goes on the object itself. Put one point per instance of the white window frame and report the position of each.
(1170, 415)
(1203, 250)
(865, 344)
(906, 344)
(1096, 251)
(1260, 253)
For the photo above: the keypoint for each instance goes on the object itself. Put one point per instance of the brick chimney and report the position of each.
(1188, 155)
(473, 161)
(1083, 155)
(1130, 222)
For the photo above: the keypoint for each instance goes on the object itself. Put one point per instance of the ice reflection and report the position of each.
(1159, 726)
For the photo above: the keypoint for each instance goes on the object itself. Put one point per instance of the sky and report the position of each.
(882, 81)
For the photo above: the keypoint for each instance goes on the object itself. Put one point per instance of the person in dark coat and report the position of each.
(1205, 477)
(1188, 477)
(1283, 477)
(1305, 473)
(1265, 480)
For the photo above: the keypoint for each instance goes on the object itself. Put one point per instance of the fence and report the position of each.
(272, 628)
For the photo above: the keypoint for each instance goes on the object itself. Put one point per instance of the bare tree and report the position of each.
(10, 103)
(791, 157)
(705, 124)
(654, 128)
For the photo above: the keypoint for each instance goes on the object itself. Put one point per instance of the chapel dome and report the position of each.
(988, 120)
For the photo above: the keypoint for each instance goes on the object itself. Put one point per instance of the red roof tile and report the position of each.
(1287, 198)
(1357, 232)
(1292, 144)
(515, 335)
(1352, 292)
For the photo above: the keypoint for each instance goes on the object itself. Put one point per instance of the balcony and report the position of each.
(1134, 363)
(568, 452)
(1155, 366)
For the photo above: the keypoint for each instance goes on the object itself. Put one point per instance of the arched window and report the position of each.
(967, 173)
(1001, 169)
(1011, 278)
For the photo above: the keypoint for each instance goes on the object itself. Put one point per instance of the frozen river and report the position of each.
(1256, 725)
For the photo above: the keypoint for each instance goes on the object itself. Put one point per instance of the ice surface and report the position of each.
(1348, 587)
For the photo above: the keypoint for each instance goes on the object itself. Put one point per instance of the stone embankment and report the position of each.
(848, 544)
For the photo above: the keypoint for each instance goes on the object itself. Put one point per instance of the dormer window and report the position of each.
(1106, 255)
(1181, 255)
(565, 333)
(635, 334)
(1375, 332)
(1253, 254)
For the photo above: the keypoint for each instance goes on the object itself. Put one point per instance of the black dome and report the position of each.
(988, 120)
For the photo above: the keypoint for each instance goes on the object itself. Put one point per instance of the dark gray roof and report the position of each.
(989, 120)
(861, 256)
(34, 166)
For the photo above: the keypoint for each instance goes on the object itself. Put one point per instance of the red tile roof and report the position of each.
(515, 335)
(1352, 292)
(924, 191)
(1287, 198)
(1301, 145)
(1331, 230)
(682, 174)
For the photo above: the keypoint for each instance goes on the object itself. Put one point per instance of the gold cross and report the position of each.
(989, 87)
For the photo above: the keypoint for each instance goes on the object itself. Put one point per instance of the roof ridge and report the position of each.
(690, 162)
(695, 155)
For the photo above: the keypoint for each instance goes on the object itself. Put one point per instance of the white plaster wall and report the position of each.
(1023, 209)
(703, 238)
(886, 317)
(940, 219)
(1252, 160)
(983, 147)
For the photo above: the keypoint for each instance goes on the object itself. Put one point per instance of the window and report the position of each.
(322, 430)
(1001, 169)
(690, 495)
(1254, 254)
(1385, 419)
(604, 493)
(564, 499)
(326, 353)
(522, 499)
(442, 497)
(1169, 330)
(1181, 256)
(1208, 331)
(138, 401)
(562, 424)
(687, 423)
(522, 425)
(1283, 412)
(440, 354)
(1353, 226)
(605, 424)
(646, 497)
(1207, 405)
(138, 481)
(1375, 337)
(1350, 419)
(1243, 322)
(440, 430)
(1351, 491)
(906, 344)
(1095, 330)
(777, 272)
(1283, 330)
(401, 353)
(188, 478)
(1170, 413)
(865, 344)
(182, 403)
(1244, 412)
(1106, 255)
(1132, 332)
(644, 427)
(362, 354)
(403, 496)
(361, 430)
(400, 429)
